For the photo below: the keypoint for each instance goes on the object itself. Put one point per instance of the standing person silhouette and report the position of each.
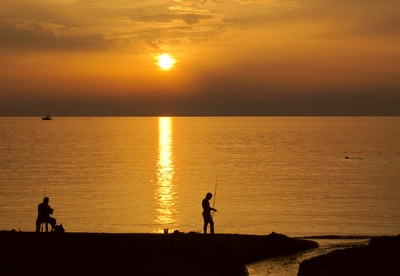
(44, 212)
(207, 213)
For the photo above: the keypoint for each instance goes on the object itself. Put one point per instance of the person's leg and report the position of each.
(205, 223)
(212, 226)
(37, 225)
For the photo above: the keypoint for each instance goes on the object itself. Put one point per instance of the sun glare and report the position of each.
(165, 61)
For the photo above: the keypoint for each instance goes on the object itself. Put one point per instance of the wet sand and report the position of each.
(25, 253)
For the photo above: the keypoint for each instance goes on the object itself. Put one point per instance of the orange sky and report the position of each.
(232, 57)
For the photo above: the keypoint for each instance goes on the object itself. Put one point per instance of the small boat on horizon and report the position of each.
(47, 118)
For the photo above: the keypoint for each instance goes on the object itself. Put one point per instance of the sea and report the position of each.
(298, 176)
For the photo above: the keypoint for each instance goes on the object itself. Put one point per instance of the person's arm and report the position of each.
(49, 210)
(210, 208)
(207, 207)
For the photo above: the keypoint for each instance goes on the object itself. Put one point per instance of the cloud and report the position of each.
(99, 25)
(264, 13)
(45, 36)
(384, 26)
(189, 19)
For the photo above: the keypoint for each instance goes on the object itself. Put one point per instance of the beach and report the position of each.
(27, 253)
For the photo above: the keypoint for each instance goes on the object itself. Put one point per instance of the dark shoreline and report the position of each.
(139, 254)
(380, 257)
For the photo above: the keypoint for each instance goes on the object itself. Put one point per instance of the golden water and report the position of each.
(282, 174)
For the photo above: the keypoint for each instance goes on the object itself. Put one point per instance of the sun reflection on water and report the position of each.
(165, 192)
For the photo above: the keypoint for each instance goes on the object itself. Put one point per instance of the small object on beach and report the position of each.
(47, 118)
(166, 230)
(59, 229)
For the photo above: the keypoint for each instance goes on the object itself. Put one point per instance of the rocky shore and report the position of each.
(380, 257)
(139, 254)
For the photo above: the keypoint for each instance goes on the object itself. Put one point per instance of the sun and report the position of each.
(165, 61)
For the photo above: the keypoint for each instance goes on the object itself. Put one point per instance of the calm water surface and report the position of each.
(284, 174)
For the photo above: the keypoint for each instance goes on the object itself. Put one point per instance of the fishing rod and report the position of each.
(215, 194)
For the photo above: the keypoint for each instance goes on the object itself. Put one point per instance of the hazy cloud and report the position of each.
(45, 36)
(100, 25)
(189, 19)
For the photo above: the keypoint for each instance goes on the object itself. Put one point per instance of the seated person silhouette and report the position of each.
(44, 212)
